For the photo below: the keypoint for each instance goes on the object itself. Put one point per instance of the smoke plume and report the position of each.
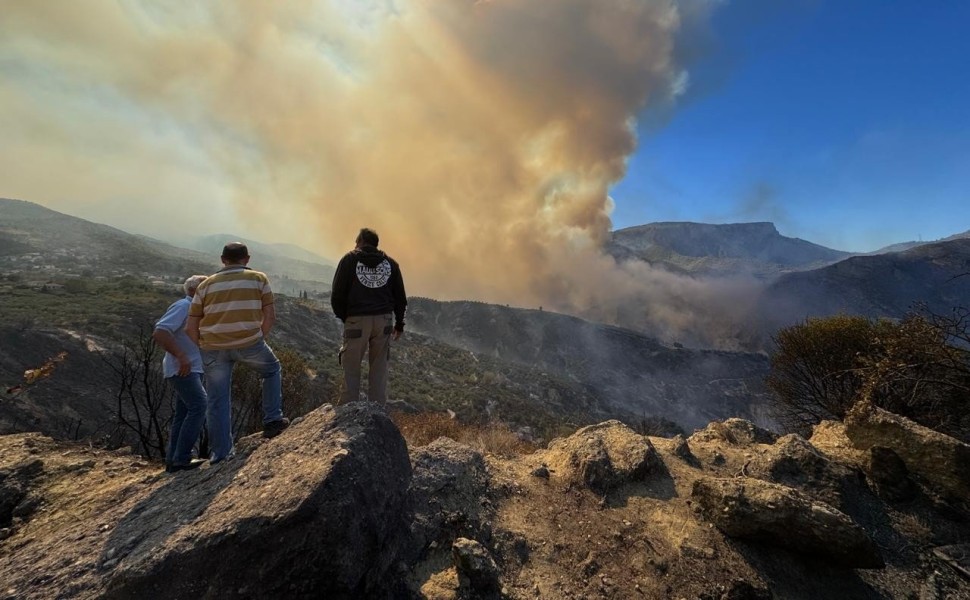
(479, 138)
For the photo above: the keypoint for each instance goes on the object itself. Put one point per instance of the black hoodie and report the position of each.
(368, 282)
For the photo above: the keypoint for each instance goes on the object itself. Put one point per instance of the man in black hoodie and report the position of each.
(368, 296)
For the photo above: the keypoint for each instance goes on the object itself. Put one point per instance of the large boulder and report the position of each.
(449, 495)
(478, 575)
(602, 457)
(316, 512)
(793, 461)
(778, 515)
(734, 431)
(938, 459)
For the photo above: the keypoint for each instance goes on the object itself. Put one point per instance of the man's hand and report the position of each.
(396, 335)
(167, 341)
(185, 365)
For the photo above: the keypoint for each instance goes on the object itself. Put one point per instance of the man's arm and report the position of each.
(167, 341)
(269, 319)
(340, 288)
(192, 329)
(400, 299)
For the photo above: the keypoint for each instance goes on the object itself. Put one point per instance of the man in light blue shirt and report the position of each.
(182, 366)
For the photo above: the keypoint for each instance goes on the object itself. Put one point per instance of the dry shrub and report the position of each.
(494, 438)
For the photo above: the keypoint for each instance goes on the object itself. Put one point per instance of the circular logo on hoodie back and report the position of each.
(374, 277)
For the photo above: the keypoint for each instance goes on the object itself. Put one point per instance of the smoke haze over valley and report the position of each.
(481, 139)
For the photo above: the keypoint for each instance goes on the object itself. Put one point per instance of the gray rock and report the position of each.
(542, 472)
(329, 523)
(737, 432)
(15, 500)
(448, 494)
(781, 516)
(602, 457)
(938, 459)
(681, 448)
(794, 461)
(478, 575)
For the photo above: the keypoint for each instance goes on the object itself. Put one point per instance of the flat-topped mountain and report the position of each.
(730, 249)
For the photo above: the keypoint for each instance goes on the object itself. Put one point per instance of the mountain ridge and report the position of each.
(719, 249)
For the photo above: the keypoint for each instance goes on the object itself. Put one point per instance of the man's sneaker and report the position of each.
(195, 463)
(273, 429)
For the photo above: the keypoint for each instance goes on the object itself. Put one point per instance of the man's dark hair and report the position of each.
(368, 237)
(235, 252)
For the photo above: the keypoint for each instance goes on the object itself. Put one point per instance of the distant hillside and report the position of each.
(285, 261)
(306, 270)
(215, 242)
(38, 243)
(884, 285)
(631, 372)
(35, 240)
(903, 246)
(738, 248)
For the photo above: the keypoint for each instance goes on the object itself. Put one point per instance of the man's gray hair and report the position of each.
(192, 283)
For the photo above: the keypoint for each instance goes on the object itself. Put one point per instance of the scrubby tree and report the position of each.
(918, 367)
(817, 368)
(923, 371)
(298, 395)
(142, 399)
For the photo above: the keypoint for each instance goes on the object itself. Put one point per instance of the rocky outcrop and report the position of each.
(936, 458)
(601, 457)
(737, 432)
(478, 575)
(449, 495)
(317, 513)
(781, 516)
(325, 510)
(15, 500)
(794, 462)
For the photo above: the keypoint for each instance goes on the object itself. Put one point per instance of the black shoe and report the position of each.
(273, 429)
(195, 463)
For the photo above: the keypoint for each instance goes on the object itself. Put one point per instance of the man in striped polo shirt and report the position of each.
(230, 316)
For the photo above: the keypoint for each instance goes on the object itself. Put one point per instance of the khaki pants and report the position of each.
(370, 334)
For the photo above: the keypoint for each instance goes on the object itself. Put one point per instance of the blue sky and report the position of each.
(847, 123)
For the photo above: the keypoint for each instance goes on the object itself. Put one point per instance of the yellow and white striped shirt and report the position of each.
(230, 304)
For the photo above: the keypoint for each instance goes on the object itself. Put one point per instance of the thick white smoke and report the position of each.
(479, 138)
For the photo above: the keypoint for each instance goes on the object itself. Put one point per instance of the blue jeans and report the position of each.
(218, 366)
(190, 405)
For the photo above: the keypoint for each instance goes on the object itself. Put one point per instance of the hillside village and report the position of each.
(53, 271)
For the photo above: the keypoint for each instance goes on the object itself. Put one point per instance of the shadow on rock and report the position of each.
(316, 512)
